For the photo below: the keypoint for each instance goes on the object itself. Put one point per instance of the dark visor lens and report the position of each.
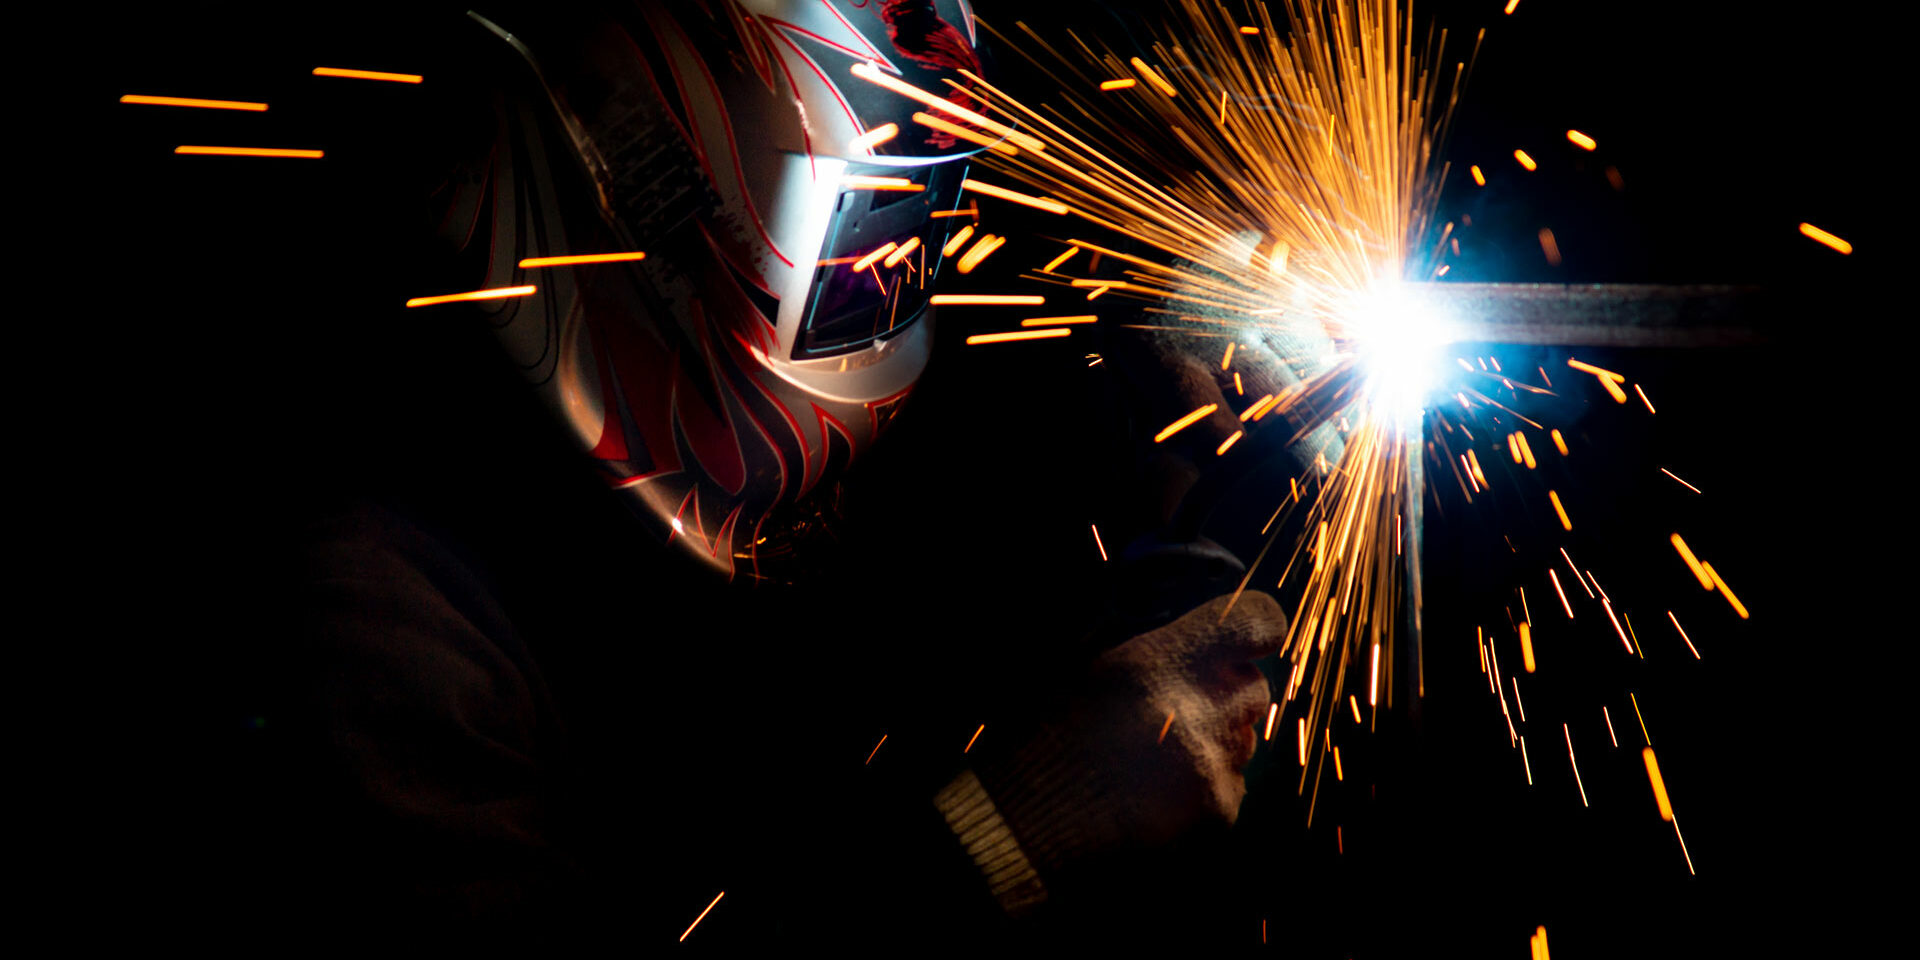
(880, 259)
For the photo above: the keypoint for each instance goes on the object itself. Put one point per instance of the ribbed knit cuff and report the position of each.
(973, 818)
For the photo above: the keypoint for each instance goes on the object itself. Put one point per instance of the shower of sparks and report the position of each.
(533, 262)
(194, 102)
(495, 293)
(250, 152)
(367, 75)
(702, 916)
(1821, 236)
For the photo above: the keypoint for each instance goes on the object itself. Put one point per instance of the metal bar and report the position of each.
(1616, 314)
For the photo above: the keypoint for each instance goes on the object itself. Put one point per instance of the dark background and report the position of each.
(196, 415)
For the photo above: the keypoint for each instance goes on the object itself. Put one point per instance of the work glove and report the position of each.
(1148, 746)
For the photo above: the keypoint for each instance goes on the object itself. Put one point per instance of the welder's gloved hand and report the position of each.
(1149, 747)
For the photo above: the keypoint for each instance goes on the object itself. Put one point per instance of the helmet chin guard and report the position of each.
(780, 316)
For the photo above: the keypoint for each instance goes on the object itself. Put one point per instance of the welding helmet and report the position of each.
(760, 346)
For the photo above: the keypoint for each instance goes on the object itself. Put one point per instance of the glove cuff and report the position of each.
(971, 815)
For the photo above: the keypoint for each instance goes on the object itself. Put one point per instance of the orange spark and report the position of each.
(1354, 702)
(1230, 441)
(862, 182)
(1549, 247)
(982, 249)
(533, 262)
(875, 137)
(1120, 84)
(1683, 634)
(1619, 395)
(1050, 321)
(1479, 179)
(976, 736)
(1560, 442)
(1303, 741)
(1250, 31)
(874, 256)
(1038, 203)
(1373, 696)
(1576, 766)
(1338, 774)
(366, 75)
(1511, 4)
(1228, 359)
(1096, 541)
(1607, 605)
(989, 299)
(1539, 940)
(1513, 447)
(702, 916)
(957, 241)
(1474, 461)
(1693, 563)
(1154, 78)
(1185, 422)
(1524, 760)
(1526, 646)
(1525, 451)
(1062, 258)
(1641, 717)
(894, 258)
(1273, 711)
(1165, 727)
(1603, 372)
(1821, 236)
(871, 73)
(250, 152)
(194, 102)
(1581, 140)
(1525, 161)
(1659, 784)
(876, 748)
(1561, 510)
(1738, 607)
(1563, 594)
(1676, 477)
(1044, 333)
(1239, 389)
(1643, 398)
(1609, 718)
(974, 136)
(490, 294)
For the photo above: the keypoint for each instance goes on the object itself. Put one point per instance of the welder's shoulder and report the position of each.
(406, 646)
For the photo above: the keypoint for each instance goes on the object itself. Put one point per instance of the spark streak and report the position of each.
(1821, 236)
(875, 137)
(1044, 333)
(986, 299)
(1576, 766)
(250, 152)
(1581, 140)
(1559, 509)
(702, 916)
(1659, 784)
(194, 102)
(1721, 585)
(531, 263)
(1185, 422)
(1683, 483)
(1038, 203)
(1693, 563)
(366, 75)
(489, 294)
(1052, 321)
(1683, 634)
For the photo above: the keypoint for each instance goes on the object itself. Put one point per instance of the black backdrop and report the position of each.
(194, 400)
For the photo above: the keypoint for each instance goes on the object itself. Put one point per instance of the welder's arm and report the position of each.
(1150, 746)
